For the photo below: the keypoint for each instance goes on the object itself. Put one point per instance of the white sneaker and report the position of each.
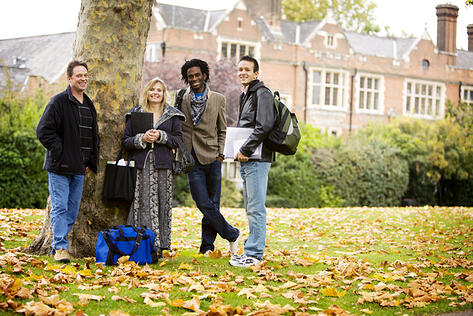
(235, 259)
(244, 261)
(233, 246)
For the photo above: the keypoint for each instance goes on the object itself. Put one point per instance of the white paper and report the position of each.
(122, 162)
(236, 137)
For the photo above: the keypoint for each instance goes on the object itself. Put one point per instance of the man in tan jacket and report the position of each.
(204, 136)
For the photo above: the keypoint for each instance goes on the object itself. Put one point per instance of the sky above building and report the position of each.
(20, 18)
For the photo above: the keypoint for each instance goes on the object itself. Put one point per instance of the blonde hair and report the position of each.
(144, 94)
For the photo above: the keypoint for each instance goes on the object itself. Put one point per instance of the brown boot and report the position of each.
(62, 256)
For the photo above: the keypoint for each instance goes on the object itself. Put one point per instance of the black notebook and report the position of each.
(141, 122)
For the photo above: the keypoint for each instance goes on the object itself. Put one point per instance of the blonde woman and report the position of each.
(151, 206)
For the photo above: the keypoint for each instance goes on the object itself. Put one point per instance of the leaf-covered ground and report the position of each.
(351, 261)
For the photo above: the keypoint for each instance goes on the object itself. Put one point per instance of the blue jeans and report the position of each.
(255, 184)
(205, 183)
(66, 193)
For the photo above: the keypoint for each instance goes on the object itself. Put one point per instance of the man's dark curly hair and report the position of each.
(204, 67)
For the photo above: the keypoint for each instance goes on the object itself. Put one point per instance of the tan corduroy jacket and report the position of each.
(208, 137)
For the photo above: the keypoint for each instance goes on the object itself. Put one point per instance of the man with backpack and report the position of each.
(256, 111)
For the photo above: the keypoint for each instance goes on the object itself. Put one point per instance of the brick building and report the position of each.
(335, 79)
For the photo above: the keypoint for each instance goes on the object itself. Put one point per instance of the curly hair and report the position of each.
(204, 68)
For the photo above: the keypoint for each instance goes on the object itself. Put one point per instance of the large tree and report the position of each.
(355, 15)
(111, 38)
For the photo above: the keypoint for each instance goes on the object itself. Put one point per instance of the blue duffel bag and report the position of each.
(124, 240)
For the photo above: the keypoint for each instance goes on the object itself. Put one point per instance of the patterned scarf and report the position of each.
(198, 105)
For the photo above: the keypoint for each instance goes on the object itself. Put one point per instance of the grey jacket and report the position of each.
(257, 112)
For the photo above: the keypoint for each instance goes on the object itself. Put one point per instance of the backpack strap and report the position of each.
(179, 99)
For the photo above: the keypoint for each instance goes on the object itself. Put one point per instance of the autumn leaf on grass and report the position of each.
(51, 300)
(53, 267)
(36, 308)
(85, 273)
(65, 306)
(123, 260)
(336, 310)
(330, 291)
(84, 298)
(193, 304)
(69, 270)
(288, 285)
(13, 287)
(247, 292)
(126, 299)
(170, 254)
(276, 309)
(118, 313)
(185, 266)
(367, 311)
(216, 254)
(151, 303)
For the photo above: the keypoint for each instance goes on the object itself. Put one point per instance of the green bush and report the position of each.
(293, 182)
(23, 183)
(182, 193)
(363, 172)
(440, 155)
(230, 195)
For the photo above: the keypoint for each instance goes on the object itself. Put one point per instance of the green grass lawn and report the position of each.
(344, 261)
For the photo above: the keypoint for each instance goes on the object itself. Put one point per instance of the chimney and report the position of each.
(269, 9)
(447, 27)
(469, 31)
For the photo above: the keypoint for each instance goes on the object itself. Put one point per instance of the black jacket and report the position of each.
(58, 131)
(170, 123)
(257, 112)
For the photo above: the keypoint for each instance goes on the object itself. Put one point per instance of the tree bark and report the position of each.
(111, 39)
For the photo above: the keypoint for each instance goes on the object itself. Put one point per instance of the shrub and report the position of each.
(363, 172)
(23, 183)
(230, 195)
(440, 154)
(293, 182)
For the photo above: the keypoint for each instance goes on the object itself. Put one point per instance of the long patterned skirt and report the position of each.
(151, 207)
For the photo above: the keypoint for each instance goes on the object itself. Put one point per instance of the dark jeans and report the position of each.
(205, 183)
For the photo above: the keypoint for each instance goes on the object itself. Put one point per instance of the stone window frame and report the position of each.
(424, 99)
(466, 94)
(342, 89)
(238, 44)
(153, 52)
(330, 41)
(363, 79)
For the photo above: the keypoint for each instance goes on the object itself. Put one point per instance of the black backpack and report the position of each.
(285, 136)
(178, 104)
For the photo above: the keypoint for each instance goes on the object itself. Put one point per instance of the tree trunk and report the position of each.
(111, 39)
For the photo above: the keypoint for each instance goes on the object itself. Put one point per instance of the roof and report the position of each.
(17, 76)
(372, 45)
(45, 55)
(464, 59)
(190, 19)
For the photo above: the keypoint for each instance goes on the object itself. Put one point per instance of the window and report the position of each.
(152, 52)
(328, 88)
(240, 24)
(467, 94)
(236, 50)
(425, 64)
(424, 99)
(370, 94)
(330, 41)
